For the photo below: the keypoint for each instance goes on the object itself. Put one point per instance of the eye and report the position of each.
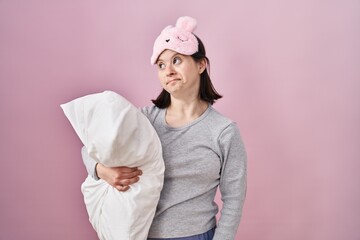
(161, 65)
(182, 38)
(176, 60)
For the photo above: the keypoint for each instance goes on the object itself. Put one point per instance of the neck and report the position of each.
(181, 112)
(188, 106)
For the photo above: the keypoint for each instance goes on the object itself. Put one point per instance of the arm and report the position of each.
(89, 163)
(232, 183)
(119, 177)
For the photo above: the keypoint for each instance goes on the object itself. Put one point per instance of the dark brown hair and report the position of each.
(207, 91)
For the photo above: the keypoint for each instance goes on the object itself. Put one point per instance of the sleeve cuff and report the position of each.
(89, 163)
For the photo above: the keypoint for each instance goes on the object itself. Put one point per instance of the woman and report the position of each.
(202, 149)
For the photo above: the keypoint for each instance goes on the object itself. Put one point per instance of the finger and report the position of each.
(130, 181)
(129, 175)
(122, 188)
(133, 180)
(124, 182)
(127, 169)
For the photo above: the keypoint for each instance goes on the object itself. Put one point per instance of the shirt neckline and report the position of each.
(201, 117)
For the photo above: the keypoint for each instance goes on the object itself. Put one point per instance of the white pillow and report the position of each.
(115, 133)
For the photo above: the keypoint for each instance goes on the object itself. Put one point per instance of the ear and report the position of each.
(202, 65)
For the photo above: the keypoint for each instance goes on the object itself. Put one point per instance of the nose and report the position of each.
(170, 71)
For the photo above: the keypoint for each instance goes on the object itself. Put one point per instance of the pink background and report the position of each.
(289, 72)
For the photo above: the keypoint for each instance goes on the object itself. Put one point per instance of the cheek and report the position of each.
(191, 74)
(161, 78)
(160, 75)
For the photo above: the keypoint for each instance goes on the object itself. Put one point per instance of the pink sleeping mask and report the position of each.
(179, 38)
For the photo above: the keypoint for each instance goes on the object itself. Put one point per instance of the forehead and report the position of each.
(167, 54)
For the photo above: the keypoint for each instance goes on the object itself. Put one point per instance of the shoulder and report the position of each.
(151, 112)
(226, 128)
(218, 120)
(218, 125)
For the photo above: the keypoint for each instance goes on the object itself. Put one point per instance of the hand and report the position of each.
(119, 177)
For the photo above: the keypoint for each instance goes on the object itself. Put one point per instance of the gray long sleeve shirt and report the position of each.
(199, 157)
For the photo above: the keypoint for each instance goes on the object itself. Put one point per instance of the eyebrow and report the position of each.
(170, 57)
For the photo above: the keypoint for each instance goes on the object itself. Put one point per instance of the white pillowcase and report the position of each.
(116, 133)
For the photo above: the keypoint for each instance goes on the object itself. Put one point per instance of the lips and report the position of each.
(172, 80)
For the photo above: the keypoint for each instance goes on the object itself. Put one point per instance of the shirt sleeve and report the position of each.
(232, 182)
(89, 163)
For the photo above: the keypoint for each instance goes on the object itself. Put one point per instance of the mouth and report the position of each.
(172, 81)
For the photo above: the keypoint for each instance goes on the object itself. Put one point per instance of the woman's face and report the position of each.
(179, 74)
